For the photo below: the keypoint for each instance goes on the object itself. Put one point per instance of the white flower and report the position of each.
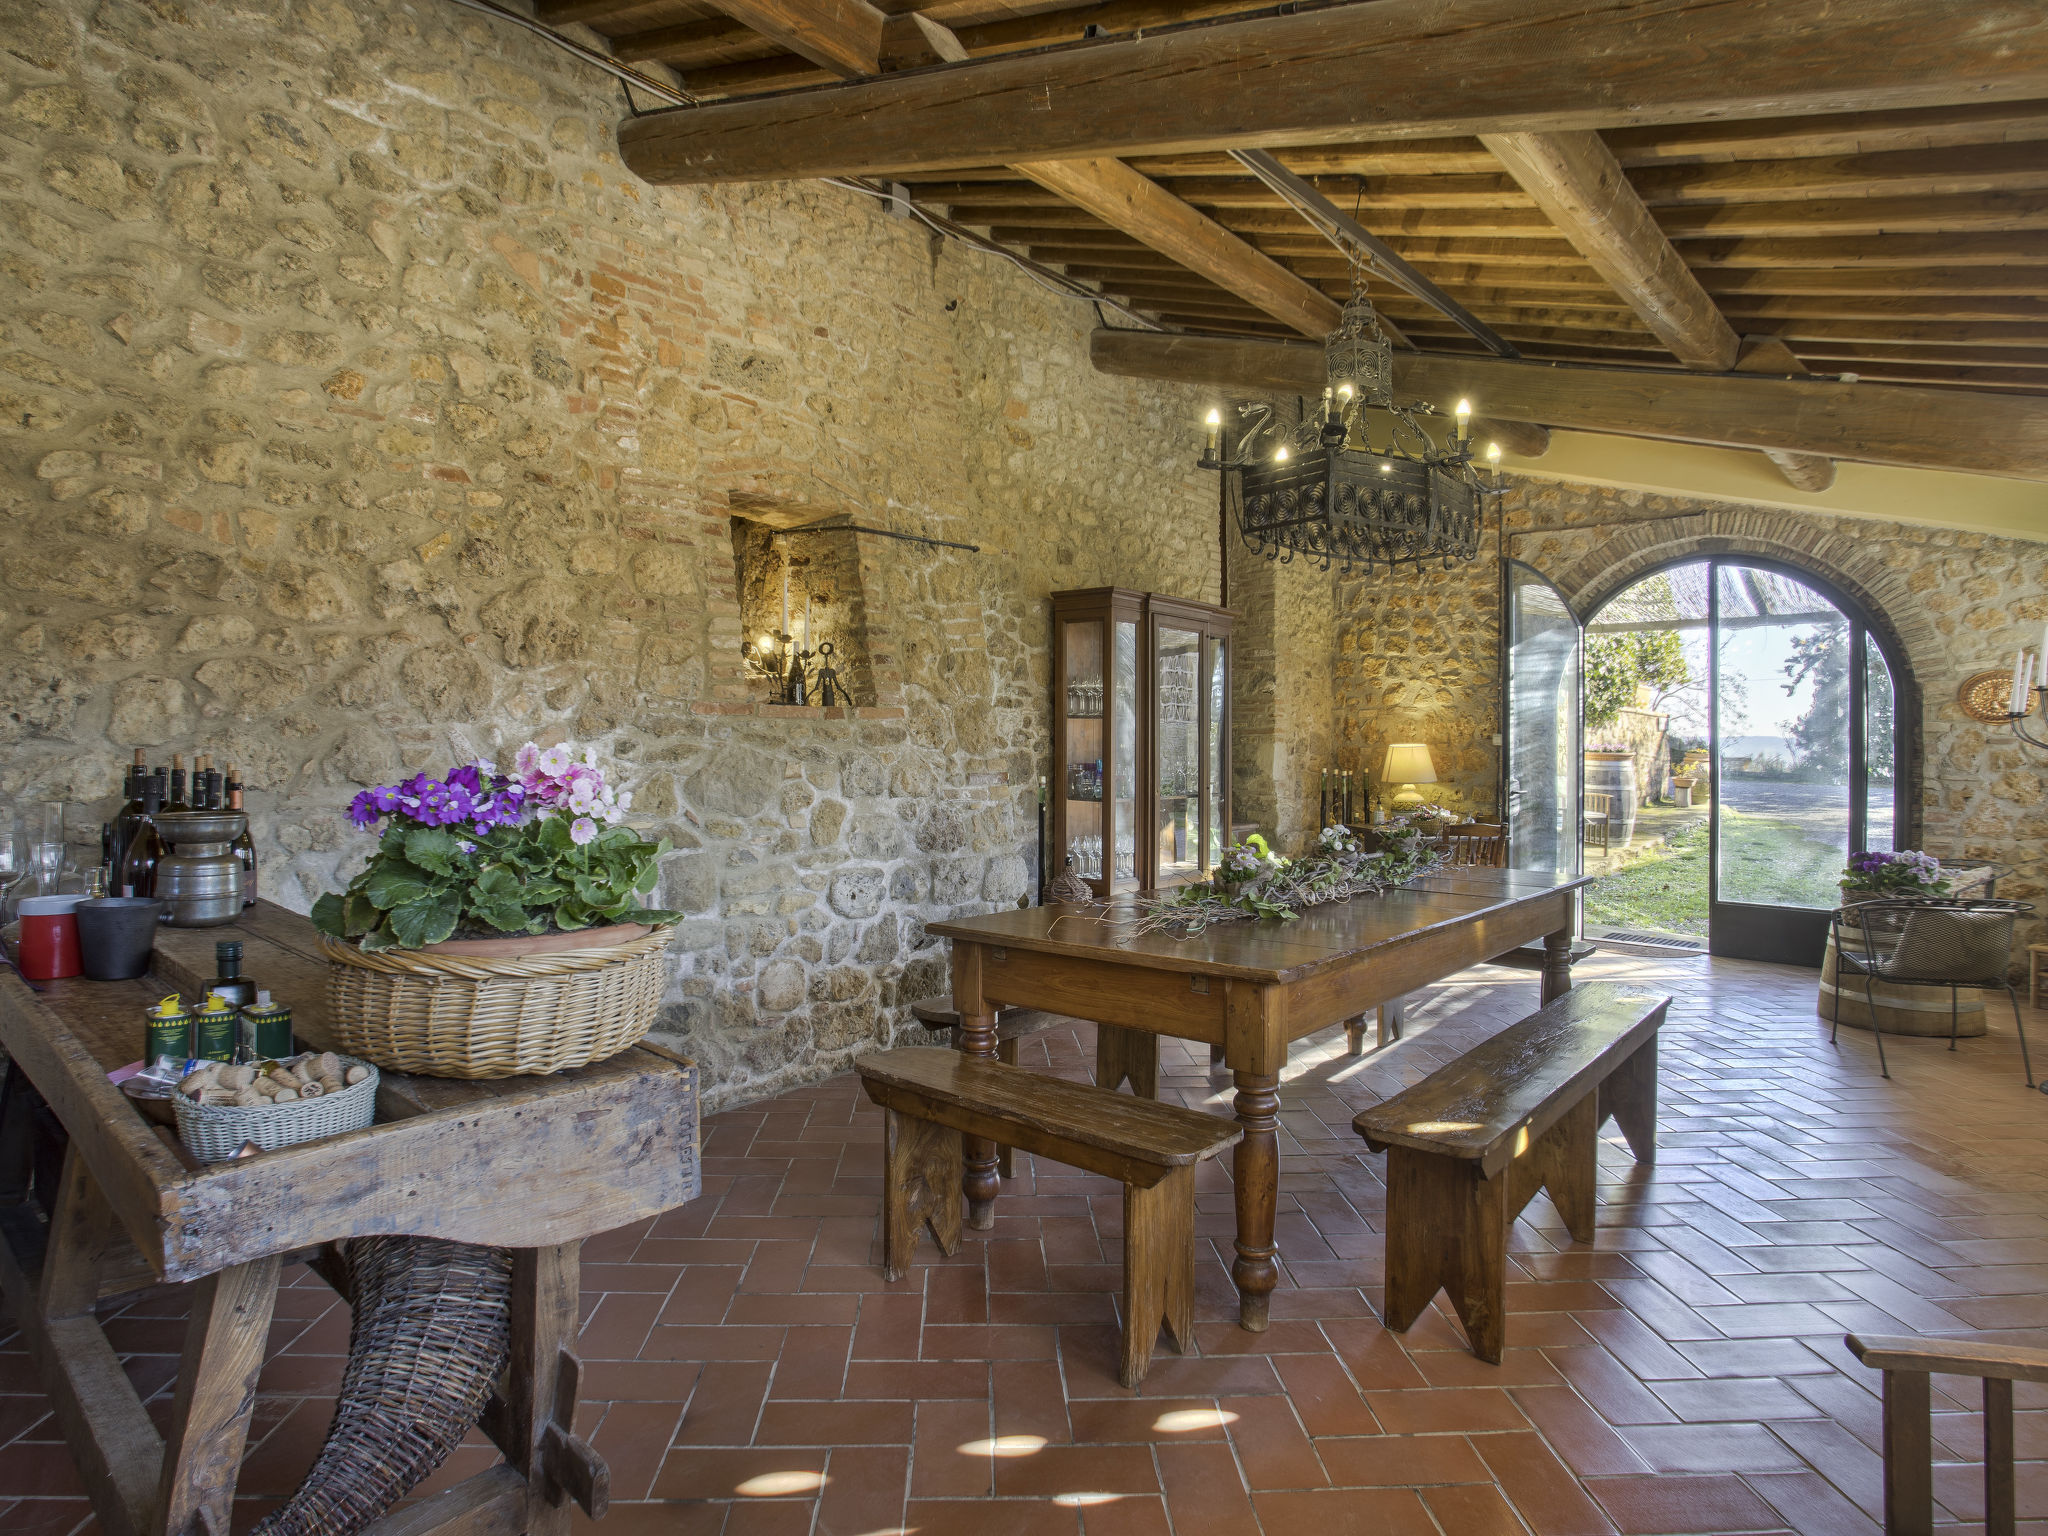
(625, 801)
(582, 830)
(554, 762)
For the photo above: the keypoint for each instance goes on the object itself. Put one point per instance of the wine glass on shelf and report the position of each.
(46, 848)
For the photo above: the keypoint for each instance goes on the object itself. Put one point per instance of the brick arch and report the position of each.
(1856, 567)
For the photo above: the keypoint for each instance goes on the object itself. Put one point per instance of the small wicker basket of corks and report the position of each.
(224, 1106)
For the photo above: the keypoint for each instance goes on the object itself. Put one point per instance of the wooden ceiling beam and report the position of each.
(1837, 133)
(1457, 192)
(1848, 217)
(1584, 192)
(843, 36)
(1985, 433)
(1904, 281)
(1938, 173)
(1140, 207)
(1576, 180)
(1750, 312)
(2016, 248)
(1437, 67)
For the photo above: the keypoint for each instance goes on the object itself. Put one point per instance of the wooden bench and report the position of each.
(1471, 1144)
(933, 1096)
(1121, 1055)
(1012, 1025)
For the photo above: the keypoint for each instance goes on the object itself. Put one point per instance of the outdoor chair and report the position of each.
(1598, 815)
(1928, 942)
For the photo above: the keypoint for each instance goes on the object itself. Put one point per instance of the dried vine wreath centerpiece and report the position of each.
(498, 927)
(1254, 882)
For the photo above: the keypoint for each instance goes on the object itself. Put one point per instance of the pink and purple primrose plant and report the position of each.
(478, 853)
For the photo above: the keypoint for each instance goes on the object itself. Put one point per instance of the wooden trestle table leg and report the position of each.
(1255, 1170)
(544, 1316)
(216, 1394)
(977, 1037)
(1557, 965)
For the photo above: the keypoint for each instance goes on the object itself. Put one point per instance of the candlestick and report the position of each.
(785, 599)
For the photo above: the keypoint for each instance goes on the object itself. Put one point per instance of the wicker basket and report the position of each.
(216, 1132)
(454, 1016)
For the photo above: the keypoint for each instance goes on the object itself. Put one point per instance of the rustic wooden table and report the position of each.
(1250, 988)
(534, 1164)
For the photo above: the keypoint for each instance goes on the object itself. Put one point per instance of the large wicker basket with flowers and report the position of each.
(497, 929)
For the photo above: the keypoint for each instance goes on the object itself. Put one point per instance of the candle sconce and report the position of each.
(780, 661)
(2010, 697)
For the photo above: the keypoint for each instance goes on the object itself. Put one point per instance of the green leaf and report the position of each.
(358, 914)
(397, 883)
(505, 916)
(572, 915)
(434, 849)
(428, 920)
(326, 915)
(379, 938)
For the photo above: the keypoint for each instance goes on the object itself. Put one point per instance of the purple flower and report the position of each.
(582, 830)
(363, 810)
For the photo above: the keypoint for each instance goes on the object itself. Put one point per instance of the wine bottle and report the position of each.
(229, 981)
(244, 846)
(177, 804)
(216, 792)
(138, 864)
(126, 818)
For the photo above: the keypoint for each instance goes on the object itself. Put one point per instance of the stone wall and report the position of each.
(362, 414)
(1416, 657)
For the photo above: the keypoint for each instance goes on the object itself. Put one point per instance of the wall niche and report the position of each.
(810, 572)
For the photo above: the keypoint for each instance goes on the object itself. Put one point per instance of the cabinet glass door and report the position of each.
(1087, 698)
(1216, 724)
(1178, 751)
(1120, 836)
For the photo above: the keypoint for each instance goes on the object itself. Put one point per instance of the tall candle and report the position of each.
(2020, 671)
(785, 599)
(2041, 675)
(807, 623)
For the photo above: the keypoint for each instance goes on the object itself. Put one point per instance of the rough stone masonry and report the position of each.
(362, 415)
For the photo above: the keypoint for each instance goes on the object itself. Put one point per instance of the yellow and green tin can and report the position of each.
(214, 1028)
(169, 1031)
(266, 1030)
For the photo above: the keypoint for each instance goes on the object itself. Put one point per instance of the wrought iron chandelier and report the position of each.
(1321, 489)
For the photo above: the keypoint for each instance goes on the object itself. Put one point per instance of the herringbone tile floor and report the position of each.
(750, 1372)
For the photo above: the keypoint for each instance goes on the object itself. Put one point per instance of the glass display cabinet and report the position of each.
(1141, 738)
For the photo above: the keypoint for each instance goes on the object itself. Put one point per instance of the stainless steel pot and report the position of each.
(199, 880)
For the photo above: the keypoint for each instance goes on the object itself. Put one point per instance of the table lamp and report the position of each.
(1408, 765)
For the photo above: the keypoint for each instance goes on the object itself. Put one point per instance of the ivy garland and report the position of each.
(1254, 882)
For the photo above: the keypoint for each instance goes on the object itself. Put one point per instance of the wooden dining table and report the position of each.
(1251, 988)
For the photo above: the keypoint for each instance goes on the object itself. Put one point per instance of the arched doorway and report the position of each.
(1742, 737)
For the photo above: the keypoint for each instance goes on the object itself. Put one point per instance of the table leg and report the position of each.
(1557, 965)
(216, 1394)
(1256, 1172)
(544, 1312)
(977, 1037)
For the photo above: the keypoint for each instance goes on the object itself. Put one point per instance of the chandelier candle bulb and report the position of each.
(1464, 415)
(1214, 421)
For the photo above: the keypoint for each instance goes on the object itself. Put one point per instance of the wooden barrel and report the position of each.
(1615, 774)
(1900, 1010)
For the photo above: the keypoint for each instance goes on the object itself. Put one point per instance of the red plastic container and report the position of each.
(48, 950)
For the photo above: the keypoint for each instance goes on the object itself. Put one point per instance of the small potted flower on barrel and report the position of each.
(498, 928)
(1892, 877)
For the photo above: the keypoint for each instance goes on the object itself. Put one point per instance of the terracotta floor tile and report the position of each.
(1473, 1510)
(1662, 1506)
(1811, 1505)
(1272, 1449)
(1400, 1461)
(1059, 1469)
(997, 1517)
(726, 1404)
(1325, 1398)
(1549, 1499)
(1710, 1448)
(834, 1424)
(1204, 1492)
(1445, 1410)
(695, 1472)
(1587, 1443)
(633, 1439)
(939, 1468)
(1345, 1512)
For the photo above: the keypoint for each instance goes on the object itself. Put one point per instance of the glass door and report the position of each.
(1803, 733)
(1541, 758)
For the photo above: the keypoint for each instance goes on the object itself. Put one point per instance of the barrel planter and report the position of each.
(1614, 773)
(1901, 1010)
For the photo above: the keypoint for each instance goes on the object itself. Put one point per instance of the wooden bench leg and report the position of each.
(921, 1167)
(1006, 1157)
(216, 1394)
(1159, 1269)
(1565, 1160)
(1447, 1229)
(1216, 1051)
(1629, 1097)
(1127, 1055)
(1393, 1019)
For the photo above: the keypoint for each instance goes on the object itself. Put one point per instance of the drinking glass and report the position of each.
(46, 861)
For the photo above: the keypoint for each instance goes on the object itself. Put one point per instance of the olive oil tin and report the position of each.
(266, 1030)
(214, 1029)
(169, 1031)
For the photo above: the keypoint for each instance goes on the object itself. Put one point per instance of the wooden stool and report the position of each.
(934, 1095)
(1471, 1144)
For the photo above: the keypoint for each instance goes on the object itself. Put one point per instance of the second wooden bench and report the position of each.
(934, 1095)
(1471, 1144)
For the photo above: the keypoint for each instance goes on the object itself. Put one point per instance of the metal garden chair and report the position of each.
(1928, 942)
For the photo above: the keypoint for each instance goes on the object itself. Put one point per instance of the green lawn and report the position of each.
(1767, 860)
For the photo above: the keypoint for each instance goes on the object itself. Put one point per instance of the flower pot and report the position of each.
(454, 1012)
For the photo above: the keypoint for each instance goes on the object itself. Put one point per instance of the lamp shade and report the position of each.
(1408, 763)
